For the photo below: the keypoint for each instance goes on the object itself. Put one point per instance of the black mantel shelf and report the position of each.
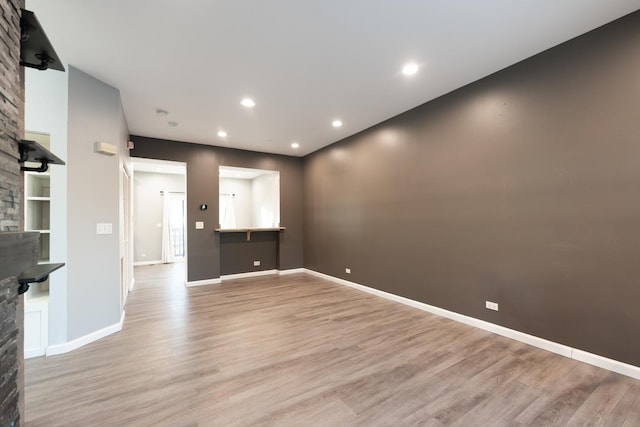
(36, 50)
(37, 274)
(248, 230)
(31, 151)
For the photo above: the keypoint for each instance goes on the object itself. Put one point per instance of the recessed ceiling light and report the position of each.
(336, 123)
(295, 145)
(248, 102)
(222, 134)
(410, 69)
(173, 124)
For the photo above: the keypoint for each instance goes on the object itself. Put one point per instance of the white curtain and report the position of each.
(166, 227)
(227, 211)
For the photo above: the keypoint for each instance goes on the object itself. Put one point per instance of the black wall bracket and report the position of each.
(36, 50)
(37, 274)
(31, 151)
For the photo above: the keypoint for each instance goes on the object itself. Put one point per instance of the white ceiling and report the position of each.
(158, 166)
(243, 173)
(304, 62)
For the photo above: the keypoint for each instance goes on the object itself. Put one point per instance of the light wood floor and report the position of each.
(300, 351)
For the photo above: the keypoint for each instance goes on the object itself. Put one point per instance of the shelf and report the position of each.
(35, 300)
(251, 229)
(37, 186)
(248, 230)
(37, 274)
(37, 215)
(31, 151)
(37, 212)
(36, 50)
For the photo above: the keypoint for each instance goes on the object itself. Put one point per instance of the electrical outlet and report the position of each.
(199, 225)
(347, 270)
(256, 263)
(492, 305)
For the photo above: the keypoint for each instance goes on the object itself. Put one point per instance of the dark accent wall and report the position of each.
(522, 188)
(202, 161)
(237, 254)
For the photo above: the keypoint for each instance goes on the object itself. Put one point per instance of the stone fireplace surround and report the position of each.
(18, 250)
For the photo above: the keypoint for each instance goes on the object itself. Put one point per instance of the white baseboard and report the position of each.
(68, 346)
(249, 274)
(605, 363)
(243, 276)
(291, 271)
(554, 347)
(202, 282)
(133, 282)
(30, 354)
(139, 263)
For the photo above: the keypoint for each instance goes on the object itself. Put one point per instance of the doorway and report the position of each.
(159, 212)
(126, 269)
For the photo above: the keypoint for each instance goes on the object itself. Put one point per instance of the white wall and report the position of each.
(265, 191)
(93, 196)
(256, 201)
(242, 200)
(77, 110)
(46, 110)
(148, 206)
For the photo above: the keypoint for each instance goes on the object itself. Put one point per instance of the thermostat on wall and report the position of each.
(105, 148)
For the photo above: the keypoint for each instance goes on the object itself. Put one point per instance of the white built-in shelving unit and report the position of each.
(37, 207)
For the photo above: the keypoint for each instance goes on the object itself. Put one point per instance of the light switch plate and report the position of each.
(104, 228)
(199, 225)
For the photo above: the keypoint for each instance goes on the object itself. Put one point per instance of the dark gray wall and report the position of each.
(237, 254)
(522, 188)
(202, 187)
